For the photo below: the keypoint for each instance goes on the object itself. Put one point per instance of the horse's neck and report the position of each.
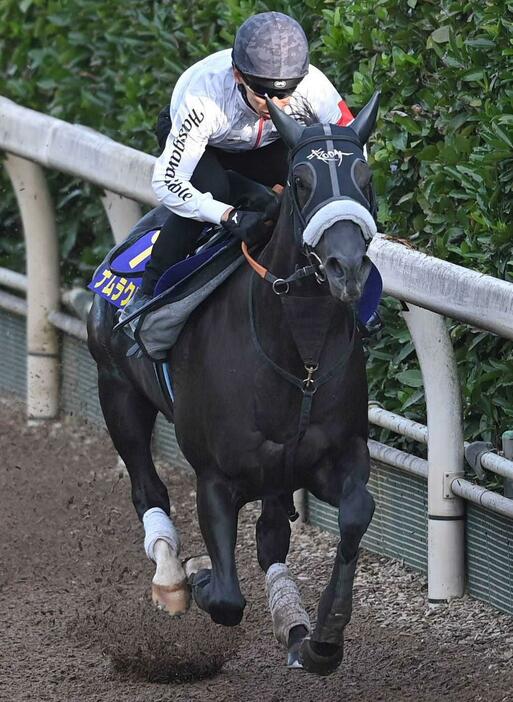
(282, 254)
(281, 257)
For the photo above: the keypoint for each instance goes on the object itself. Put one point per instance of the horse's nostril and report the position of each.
(335, 267)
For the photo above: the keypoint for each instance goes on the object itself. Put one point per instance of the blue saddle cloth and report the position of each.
(369, 301)
(183, 269)
(120, 274)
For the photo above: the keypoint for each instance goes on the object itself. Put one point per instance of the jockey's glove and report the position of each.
(250, 227)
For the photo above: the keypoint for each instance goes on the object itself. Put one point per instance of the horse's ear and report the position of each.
(364, 123)
(289, 130)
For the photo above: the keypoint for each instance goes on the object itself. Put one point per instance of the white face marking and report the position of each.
(334, 156)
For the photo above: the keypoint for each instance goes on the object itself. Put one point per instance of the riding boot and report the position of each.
(136, 303)
(176, 240)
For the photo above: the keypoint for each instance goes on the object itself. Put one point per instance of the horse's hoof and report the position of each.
(195, 563)
(293, 659)
(295, 639)
(173, 599)
(315, 662)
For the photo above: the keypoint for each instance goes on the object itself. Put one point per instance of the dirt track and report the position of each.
(74, 585)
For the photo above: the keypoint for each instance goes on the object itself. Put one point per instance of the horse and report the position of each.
(270, 397)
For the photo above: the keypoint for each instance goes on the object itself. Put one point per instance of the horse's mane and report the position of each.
(303, 111)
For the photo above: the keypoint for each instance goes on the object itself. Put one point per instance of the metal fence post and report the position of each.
(507, 447)
(446, 512)
(38, 217)
(122, 214)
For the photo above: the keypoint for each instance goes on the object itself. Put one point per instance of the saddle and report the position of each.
(185, 285)
(178, 291)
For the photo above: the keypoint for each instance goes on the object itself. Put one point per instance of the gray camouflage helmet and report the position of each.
(271, 45)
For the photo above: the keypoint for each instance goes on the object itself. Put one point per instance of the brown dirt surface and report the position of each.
(76, 622)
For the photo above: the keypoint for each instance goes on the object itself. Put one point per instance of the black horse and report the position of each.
(270, 397)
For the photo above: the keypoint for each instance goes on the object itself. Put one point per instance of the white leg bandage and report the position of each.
(284, 602)
(157, 525)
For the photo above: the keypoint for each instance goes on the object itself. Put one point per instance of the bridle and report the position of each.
(315, 267)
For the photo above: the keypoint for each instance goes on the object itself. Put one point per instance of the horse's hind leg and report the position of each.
(130, 418)
(290, 621)
(323, 653)
(217, 591)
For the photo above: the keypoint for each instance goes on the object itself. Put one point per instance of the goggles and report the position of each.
(262, 92)
(272, 88)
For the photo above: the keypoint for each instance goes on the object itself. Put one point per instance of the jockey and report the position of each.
(218, 123)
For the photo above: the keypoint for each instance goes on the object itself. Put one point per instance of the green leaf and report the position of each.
(412, 378)
(480, 43)
(473, 75)
(441, 35)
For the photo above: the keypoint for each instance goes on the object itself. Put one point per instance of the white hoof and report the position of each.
(293, 661)
(169, 590)
(173, 599)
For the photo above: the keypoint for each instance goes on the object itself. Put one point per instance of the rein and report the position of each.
(280, 286)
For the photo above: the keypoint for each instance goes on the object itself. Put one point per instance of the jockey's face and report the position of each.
(256, 101)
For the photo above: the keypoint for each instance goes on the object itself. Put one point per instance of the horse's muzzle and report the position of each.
(346, 277)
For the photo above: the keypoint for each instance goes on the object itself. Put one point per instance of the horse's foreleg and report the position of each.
(290, 621)
(323, 652)
(217, 591)
(130, 418)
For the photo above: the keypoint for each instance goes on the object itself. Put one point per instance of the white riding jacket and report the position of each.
(207, 108)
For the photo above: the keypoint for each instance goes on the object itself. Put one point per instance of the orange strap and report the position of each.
(262, 272)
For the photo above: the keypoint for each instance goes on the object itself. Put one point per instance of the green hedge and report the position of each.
(441, 156)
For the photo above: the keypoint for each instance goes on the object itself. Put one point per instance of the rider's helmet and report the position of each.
(271, 52)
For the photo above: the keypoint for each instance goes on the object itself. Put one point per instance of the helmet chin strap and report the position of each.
(244, 93)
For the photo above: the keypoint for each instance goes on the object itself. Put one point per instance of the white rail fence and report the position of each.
(430, 287)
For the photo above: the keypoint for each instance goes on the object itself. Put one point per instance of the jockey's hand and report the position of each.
(272, 211)
(250, 227)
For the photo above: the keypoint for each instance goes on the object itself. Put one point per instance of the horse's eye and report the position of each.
(299, 183)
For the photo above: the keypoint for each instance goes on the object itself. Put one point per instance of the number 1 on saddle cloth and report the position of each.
(120, 275)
